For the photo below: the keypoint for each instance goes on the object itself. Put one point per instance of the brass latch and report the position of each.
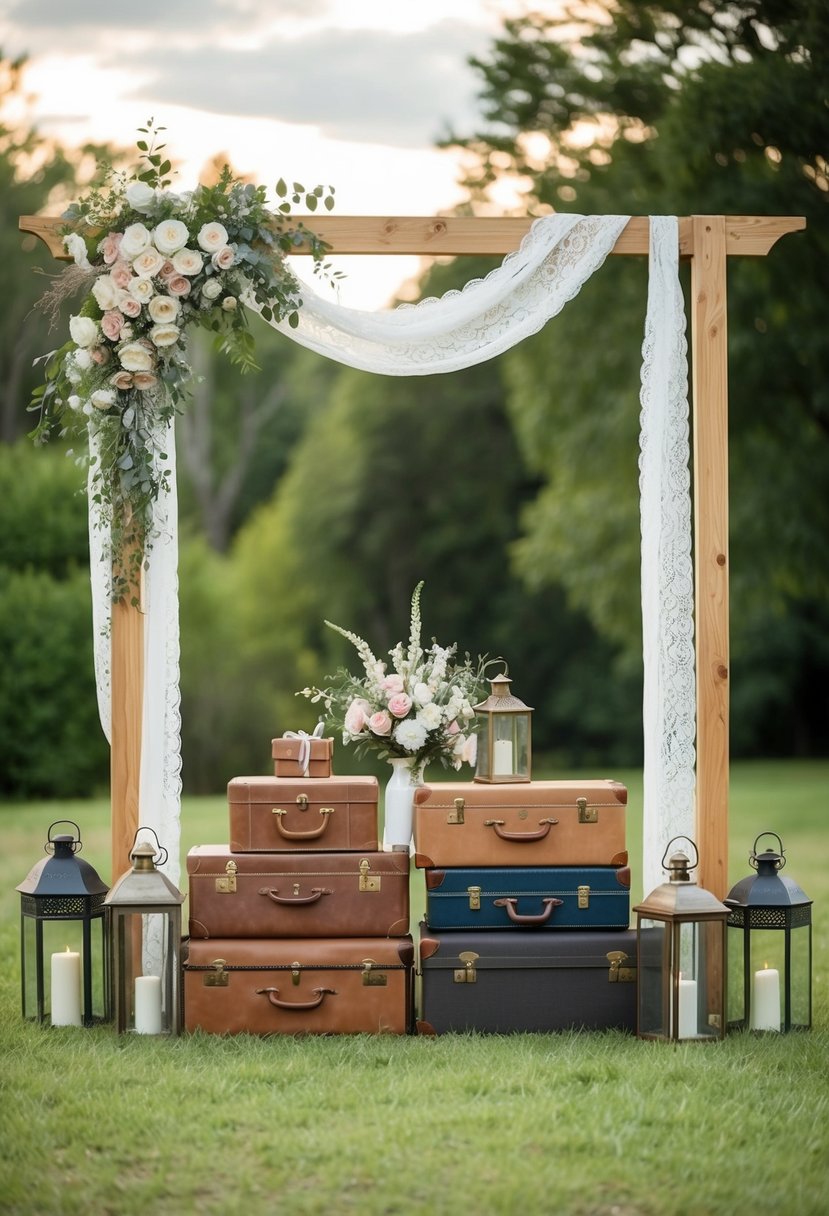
(302, 801)
(373, 979)
(226, 883)
(296, 968)
(367, 882)
(474, 899)
(584, 896)
(619, 974)
(456, 816)
(467, 974)
(587, 814)
(218, 977)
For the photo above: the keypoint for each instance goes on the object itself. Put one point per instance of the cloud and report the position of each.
(366, 84)
(198, 16)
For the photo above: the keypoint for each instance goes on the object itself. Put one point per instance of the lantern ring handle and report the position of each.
(672, 842)
(76, 845)
(161, 853)
(753, 855)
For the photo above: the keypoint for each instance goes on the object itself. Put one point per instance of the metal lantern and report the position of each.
(681, 948)
(63, 937)
(770, 947)
(504, 735)
(145, 935)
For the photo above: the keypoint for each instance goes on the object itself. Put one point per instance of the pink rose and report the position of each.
(121, 275)
(111, 324)
(392, 683)
(144, 381)
(129, 306)
(453, 728)
(177, 285)
(356, 716)
(100, 355)
(379, 723)
(167, 271)
(400, 704)
(121, 380)
(223, 258)
(109, 247)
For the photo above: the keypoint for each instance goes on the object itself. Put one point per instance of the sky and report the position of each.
(348, 92)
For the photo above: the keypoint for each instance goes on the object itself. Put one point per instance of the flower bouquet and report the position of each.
(419, 710)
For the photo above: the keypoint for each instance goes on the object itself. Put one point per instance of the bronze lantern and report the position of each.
(504, 735)
(770, 947)
(63, 937)
(681, 950)
(145, 936)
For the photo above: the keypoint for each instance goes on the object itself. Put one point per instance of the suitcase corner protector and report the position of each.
(426, 1029)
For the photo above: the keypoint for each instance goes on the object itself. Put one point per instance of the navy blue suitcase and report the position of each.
(549, 897)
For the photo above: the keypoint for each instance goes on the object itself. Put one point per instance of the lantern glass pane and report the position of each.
(653, 948)
(484, 741)
(58, 935)
(503, 745)
(800, 977)
(766, 978)
(699, 988)
(146, 946)
(735, 994)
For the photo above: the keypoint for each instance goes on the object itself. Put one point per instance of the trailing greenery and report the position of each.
(572, 1124)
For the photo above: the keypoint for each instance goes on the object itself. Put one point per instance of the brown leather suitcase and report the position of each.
(285, 814)
(537, 823)
(297, 894)
(289, 986)
(496, 982)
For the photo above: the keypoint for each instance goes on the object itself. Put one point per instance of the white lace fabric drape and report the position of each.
(460, 329)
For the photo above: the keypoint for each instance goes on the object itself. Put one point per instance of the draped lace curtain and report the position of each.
(442, 335)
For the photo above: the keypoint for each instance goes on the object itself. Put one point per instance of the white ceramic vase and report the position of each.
(398, 803)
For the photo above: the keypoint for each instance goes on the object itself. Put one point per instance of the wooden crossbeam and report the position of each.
(708, 241)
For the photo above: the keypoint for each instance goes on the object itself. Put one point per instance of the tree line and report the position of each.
(310, 491)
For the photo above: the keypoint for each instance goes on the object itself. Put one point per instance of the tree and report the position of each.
(679, 107)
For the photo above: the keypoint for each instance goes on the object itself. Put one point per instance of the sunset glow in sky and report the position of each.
(348, 92)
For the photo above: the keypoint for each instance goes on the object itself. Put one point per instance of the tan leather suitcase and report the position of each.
(297, 894)
(290, 986)
(537, 823)
(285, 814)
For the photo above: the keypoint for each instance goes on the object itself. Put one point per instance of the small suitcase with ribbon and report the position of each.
(297, 894)
(287, 814)
(525, 897)
(298, 754)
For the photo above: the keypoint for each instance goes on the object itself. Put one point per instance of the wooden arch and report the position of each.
(707, 241)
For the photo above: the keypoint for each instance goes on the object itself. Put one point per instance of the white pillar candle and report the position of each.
(688, 1024)
(66, 988)
(765, 999)
(148, 1004)
(502, 758)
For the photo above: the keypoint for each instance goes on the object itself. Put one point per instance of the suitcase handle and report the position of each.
(314, 834)
(519, 918)
(520, 837)
(299, 1006)
(273, 893)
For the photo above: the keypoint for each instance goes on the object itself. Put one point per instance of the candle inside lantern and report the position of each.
(502, 762)
(66, 988)
(148, 1004)
(765, 999)
(688, 1025)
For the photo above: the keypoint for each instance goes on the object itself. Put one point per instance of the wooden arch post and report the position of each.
(707, 241)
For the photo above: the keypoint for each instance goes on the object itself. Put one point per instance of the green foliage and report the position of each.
(679, 108)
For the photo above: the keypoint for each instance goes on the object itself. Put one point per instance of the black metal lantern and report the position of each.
(770, 947)
(63, 937)
(504, 735)
(145, 935)
(681, 948)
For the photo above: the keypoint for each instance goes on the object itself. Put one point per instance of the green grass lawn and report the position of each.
(571, 1124)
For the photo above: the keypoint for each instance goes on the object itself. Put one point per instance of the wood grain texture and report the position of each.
(127, 710)
(709, 358)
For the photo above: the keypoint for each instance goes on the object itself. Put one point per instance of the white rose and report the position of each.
(212, 237)
(211, 289)
(224, 258)
(188, 261)
(134, 357)
(103, 398)
(134, 241)
(148, 262)
(83, 331)
(163, 309)
(229, 303)
(430, 715)
(105, 292)
(75, 246)
(170, 236)
(165, 335)
(422, 694)
(141, 290)
(140, 197)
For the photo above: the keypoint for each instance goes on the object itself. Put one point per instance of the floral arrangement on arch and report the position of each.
(150, 263)
(420, 708)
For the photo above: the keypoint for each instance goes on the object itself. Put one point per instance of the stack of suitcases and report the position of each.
(300, 924)
(527, 907)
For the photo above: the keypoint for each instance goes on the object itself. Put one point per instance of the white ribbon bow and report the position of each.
(304, 757)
